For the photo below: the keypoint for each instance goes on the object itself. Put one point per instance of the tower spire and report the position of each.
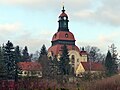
(63, 10)
(63, 21)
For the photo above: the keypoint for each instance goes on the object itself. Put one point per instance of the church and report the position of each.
(64, 36)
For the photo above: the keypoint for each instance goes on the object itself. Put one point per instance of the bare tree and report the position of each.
(94, 54)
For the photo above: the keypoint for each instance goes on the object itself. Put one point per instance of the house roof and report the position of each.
(29, 66)
(93, 66)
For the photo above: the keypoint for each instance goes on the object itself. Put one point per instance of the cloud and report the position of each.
(99, 11)
(10, 27)
(33, 43)
(103, 41)
(9, 30)
(103, 11)
(107, 12)
(110, 37)
(18, 34)
(31, 4)
(51, 4)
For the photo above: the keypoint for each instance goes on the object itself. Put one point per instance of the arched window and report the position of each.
(72, 59)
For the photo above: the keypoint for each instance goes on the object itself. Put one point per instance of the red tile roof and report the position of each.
(63, 15)
(93, 66)
(83, 52)
(56, 49)
(29, 66)
(61, 35)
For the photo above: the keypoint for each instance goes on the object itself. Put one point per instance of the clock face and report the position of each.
(64, 18)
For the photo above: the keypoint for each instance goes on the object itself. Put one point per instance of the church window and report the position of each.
(25, 72)
(66, 35)
(73, 59)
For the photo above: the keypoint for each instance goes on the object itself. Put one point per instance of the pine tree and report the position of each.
(25, 55)
(9, 58)
(53, 68)
(109, 65)
(64, 63)
(45, 65)
(18, 56)
(43, 60)
(114, 58)
(43, 52)
(3, 72)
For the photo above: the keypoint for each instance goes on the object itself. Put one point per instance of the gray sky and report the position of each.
(32, 23)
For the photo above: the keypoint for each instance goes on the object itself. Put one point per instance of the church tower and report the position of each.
(63, 36)
(63, 21)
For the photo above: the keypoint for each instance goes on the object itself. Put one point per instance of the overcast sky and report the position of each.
(32, 23)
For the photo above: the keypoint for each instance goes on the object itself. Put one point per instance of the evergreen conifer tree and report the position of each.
(64, 62)
(53, 68)
(18, 56)
(25, 55)
(43, 60)
(9, 58)
(3, 72)
(43, 51)
(114, 58)
(109, 64)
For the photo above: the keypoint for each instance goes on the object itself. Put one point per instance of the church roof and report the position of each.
(63, 15)
(93, 66)
(56, 49)
(29, 66)
(83, 52)
(62, 35)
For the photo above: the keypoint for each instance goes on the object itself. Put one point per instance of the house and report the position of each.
(30, 69)
(93, 67)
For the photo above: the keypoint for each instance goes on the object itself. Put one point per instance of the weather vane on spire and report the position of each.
(63, 7)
